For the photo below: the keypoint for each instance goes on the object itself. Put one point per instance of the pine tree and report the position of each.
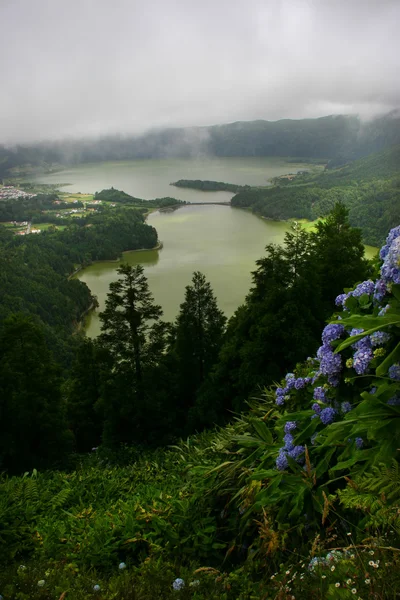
(199, 329)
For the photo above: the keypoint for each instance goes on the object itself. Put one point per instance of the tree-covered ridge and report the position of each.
(299, 496)
(34, 269)
(368, 187)
(210, 186)
(118, 196)
(342, 137)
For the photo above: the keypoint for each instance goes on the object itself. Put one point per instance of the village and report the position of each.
(9, 192)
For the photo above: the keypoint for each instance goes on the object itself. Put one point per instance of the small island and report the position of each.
(211, 186)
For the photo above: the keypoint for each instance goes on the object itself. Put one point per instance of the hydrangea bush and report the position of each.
(341, 411)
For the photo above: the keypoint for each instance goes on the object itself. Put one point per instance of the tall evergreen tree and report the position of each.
(33, 426)
(340, 252)
(136, 340)
(200, 327)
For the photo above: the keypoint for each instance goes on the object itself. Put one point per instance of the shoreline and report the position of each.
(159, 246)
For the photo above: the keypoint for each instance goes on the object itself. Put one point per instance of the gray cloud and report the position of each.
(90, 67)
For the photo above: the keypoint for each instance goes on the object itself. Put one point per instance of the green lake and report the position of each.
(220, 241)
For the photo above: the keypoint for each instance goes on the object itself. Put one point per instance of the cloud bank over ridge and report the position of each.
(97, 67)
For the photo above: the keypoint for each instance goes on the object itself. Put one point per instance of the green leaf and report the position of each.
(389, 361)
(262, 430)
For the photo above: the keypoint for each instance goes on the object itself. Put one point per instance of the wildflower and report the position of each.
(349, 533)
(194, 583)
(178, 584)
(367, 581)
(371, 563)
(337, 584)
(21, 568)
(359, 445)
(332, 332)
(354, 591)
(122, 566)
(272, 576)
(394, 372)
(96, 588)
(328, 415)
(371, 552)
(319, 394)
(290, 426)
(348, 581)
(287, 572)
(41, 583)
(333, 567)
(323, 577)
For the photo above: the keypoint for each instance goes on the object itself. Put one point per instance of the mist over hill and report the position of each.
(339, 138)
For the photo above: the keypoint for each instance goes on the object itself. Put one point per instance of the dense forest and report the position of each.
(295, 492)
(210, 186)
(338, 137)
(369, 187)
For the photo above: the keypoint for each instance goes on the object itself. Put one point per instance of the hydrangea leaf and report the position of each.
(389, 361)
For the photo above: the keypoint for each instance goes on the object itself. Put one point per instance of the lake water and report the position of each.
(151, 178)
(220, 241)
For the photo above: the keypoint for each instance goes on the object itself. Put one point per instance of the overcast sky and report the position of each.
(88, 67)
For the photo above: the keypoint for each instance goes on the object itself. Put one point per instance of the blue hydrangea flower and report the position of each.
(300, 383)
(281, 461)
(346, 407)
(334, 380)
(394, 372)
(380, 290)
(288, 439)
(319, 394)
(280, 395)
(379, 338)
(383, 310)
(366, 287)
(96, 588)
(178, 584)
(394, 401)
(296, 453)
(361, 360)
(341, 299)
(290, 426)
(122, 566)
(328, 415)
(330, 363)
(359, 443)
(332, 332)
(316, 408)
(390, 271)
(392, 235)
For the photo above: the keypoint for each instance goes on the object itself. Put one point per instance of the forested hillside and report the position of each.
(338, 137)
(369, 187)
(297, 496)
